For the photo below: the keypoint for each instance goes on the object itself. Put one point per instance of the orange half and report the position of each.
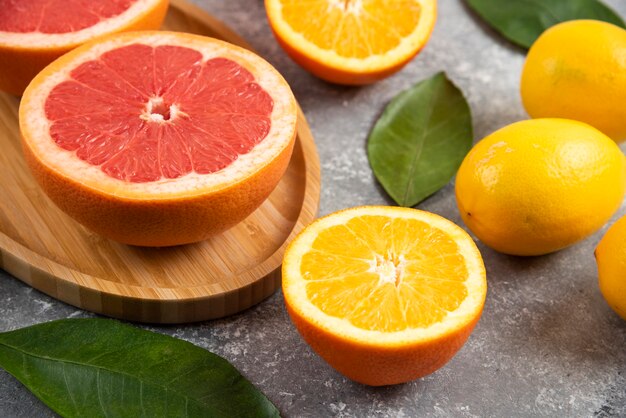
(384, 294)
(352, 41)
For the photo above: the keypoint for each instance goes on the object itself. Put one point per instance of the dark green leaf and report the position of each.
(420, 140)
(522, 21)
(103, 368)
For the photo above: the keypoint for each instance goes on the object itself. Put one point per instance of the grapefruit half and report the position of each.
(158, 138)
(33, 33)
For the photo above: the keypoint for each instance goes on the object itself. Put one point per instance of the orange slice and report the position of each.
(384, 294)
(158, 138)
(33, 33)
(352, 41)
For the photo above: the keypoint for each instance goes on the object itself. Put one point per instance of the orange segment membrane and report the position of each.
(144, 113)
(353, 28)
(57, 16)
(385, 274)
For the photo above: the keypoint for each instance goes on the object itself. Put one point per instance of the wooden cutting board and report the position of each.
(46, 249)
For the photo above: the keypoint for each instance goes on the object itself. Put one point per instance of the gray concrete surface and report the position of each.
(547, 344)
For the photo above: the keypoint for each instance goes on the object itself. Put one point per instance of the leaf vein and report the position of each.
(418, 151)
(69, 391)
(116, 372)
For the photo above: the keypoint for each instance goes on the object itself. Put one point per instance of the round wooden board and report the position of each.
(45, 248)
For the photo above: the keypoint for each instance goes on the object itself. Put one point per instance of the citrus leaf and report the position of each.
(420, 140)
(103, 368)
(522, 21)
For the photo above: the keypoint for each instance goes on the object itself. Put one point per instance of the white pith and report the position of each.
(349, 6)
(294, 285)
(388, 270)
(149, 112)
(374, 62)
(52, 40)
(36, 125)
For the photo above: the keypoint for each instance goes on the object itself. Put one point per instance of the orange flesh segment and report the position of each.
(353, 28)
(385, 274)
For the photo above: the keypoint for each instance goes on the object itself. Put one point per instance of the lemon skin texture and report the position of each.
(540, 185)
(577, 70)
(611, 259)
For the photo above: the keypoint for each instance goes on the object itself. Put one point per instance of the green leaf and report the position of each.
(103, 368)
(419, 142)
(522, 21)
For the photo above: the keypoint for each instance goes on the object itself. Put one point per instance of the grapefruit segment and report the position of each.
(51, 16)
(221, 103)
(160, 121)
(35, 32)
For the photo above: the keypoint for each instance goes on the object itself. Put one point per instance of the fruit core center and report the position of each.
(186, 114)
(158, 110)
(390, 269)
(348, 6)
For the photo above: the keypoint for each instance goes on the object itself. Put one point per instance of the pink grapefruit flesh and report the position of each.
(33, 33)
(144, 113)
(158, 138)
(57, 16)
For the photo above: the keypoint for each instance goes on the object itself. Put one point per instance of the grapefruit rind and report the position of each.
(35, 126)
(38, 40)
(23, 55)
(457, 321)
(161, 213)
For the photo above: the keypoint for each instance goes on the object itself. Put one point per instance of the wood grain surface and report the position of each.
(45, 248)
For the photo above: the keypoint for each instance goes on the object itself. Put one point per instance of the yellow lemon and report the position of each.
(611, 259)
(540, 185)
(577, 70)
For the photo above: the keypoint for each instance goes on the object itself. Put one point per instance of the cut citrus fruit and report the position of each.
(384, 294)
(33, 33)
(352, 41)
(158, 138)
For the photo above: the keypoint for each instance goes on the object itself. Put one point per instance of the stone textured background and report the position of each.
(547, 344)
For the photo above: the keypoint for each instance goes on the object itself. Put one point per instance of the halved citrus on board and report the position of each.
(158, 138)
(352, 41)
(33, 33)
(384, 294)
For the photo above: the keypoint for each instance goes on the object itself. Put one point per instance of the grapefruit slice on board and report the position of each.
(158, 138)
(33, 33)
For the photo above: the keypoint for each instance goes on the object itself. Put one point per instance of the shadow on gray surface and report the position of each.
(491, 32)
